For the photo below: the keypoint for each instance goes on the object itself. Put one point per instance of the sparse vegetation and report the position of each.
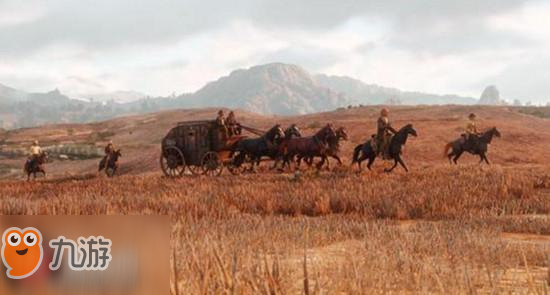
(439, 229)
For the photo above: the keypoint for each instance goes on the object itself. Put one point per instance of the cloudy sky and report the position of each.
(165, 46)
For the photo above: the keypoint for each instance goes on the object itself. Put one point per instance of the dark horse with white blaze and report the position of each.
(304, 146)
(475, 146)
(36, 165)
(256, 148)
(110, 164)
(366, 150)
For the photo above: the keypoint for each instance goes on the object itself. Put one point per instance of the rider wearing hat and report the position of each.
(471, 128)
(232, 124)
(384, 132)
(34, 152)
(220, 121)
(109, 148)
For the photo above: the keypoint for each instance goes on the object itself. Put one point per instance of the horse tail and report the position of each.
(448, 146)
(356, 152)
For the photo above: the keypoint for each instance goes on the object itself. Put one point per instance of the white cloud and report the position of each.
(445, 47)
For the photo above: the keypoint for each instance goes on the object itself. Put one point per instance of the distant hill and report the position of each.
(276, 88)
(116, 96)
(491, 96)
(363, 93)
(269, 89)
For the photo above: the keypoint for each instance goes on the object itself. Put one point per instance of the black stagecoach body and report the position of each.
(198, 146)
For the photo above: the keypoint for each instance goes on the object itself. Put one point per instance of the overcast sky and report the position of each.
(160, 47)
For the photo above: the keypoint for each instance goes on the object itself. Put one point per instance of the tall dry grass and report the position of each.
(329, 232)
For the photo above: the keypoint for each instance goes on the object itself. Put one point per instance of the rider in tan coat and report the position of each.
(470, 132)
(35, 150)
(384, 132)
(232, 124)
(222, 125)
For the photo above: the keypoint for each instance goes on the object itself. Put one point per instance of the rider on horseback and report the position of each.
(34, 152)
(471, 132)
(384, 133)
(109, 150)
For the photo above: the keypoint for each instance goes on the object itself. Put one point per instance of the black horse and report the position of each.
(292, 132)
(110, 163)
(254, 149)
(366, 150)
(36, 165)
(477, 145)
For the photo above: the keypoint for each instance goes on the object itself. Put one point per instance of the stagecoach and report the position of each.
(199, 147)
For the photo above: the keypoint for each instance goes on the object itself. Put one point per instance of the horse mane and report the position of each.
(322, 130)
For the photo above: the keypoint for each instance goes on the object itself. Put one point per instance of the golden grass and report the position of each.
(262, 233)
(438, 229)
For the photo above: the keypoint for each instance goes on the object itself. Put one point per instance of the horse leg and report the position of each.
(321, 163)
(484, 158)
(338, 159)
(393, 167)
(402, 163)
(371, 161)
(450, 156)
(309, 161)
(457, 156)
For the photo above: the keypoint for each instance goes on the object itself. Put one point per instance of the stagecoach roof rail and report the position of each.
(196, 122)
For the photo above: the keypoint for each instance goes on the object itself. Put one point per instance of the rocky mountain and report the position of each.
(10, 95)
(276, 88)
(269, 89)
(363, 93)
(491, 96)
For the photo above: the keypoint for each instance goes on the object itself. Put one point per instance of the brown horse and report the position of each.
(36, 165)
(110, 164)
(304, 146)
(333, 150)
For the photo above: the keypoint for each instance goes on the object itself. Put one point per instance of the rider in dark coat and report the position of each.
(232, 125)
(109, 150)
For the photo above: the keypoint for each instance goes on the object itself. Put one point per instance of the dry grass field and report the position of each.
(438, 229)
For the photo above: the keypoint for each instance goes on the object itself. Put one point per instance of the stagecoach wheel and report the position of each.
(211, 164)
(234, 167)
(172, 162)
(195, 170)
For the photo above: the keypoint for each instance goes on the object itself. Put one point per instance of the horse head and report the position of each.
(496, 132)
(292, 130)
(409, 129)
(325, 133)
(341, 133)
(275, 133)
(116, 154)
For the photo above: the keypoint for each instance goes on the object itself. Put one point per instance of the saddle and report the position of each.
(374, 144)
